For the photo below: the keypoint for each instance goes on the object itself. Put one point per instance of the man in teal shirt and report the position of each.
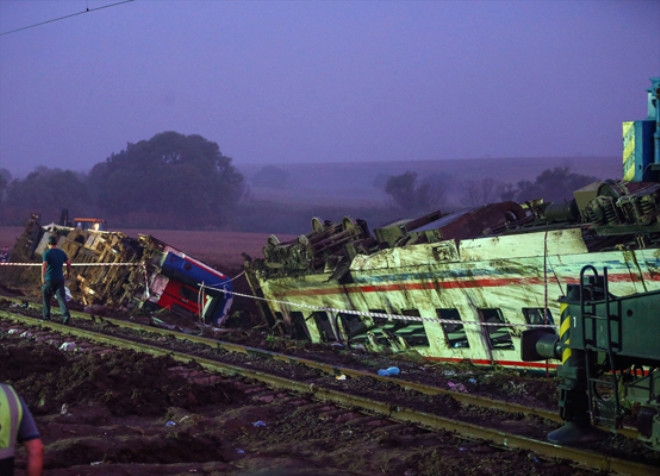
(52, 278)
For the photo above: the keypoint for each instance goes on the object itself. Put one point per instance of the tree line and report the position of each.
(552, 185)
(176, 181)
(169, 181)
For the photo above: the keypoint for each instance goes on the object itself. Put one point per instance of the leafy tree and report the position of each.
(408, 195)
(170, 180)
(46, 191)
(402, 189)
(552, 185)
(5, 179)
(478, 193)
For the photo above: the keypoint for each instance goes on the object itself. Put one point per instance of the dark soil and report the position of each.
(120, 412)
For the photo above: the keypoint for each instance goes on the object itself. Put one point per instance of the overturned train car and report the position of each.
(465, 285)
(114, 270)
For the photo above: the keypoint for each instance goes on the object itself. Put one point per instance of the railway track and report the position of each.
(336, 389)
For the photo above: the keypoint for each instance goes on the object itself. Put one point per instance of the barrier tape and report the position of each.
(375, 315)
(379, 315)
(75, 264)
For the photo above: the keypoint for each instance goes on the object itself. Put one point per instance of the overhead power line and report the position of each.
(87, 10)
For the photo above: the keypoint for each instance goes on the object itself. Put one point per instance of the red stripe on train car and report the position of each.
(502, 363)
(428, 285)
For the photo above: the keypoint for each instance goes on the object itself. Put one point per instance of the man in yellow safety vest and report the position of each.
(17, 426)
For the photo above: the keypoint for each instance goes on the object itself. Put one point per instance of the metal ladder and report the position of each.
(606, 409)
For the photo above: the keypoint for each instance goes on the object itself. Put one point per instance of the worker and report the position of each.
(17, 426)
(52, 279)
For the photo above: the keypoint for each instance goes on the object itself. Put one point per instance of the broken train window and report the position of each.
(536, 315)
(455, 334)
(499, 335)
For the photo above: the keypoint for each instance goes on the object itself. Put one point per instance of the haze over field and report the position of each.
(358, 183)
(284, 82)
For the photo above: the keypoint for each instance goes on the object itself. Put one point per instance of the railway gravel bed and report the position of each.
(107, 411)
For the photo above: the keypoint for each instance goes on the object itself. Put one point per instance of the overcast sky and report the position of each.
(327, 81)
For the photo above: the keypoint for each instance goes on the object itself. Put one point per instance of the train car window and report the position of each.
(384, 322)
(299, 327)
(500, 336)
(352, 326)
(209, 308)
(324, 326)
(380, 326)
(454, 332)
(536, 315)
(378, 320)
(188, 293)
(412, 332)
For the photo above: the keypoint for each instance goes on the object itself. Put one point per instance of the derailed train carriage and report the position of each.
(114, 270)
(508, 284)
(465, 285)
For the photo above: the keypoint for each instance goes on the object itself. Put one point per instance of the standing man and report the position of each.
(52, 279)
(17, 426)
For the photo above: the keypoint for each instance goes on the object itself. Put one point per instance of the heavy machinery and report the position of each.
(610, 360)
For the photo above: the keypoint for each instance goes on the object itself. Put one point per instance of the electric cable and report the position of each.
(87, 10)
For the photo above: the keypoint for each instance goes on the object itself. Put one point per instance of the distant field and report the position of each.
(354, 183)
(213, 247)
(217, 248)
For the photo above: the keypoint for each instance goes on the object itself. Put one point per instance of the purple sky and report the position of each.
(328, 81)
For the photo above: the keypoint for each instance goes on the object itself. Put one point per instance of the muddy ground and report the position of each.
(123, 413)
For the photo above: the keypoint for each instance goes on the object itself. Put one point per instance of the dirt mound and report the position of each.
(127, 383)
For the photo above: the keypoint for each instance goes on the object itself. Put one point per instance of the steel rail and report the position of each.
(425, 389)
(435, 422)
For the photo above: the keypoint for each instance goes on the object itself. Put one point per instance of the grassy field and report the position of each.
(216, 248)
